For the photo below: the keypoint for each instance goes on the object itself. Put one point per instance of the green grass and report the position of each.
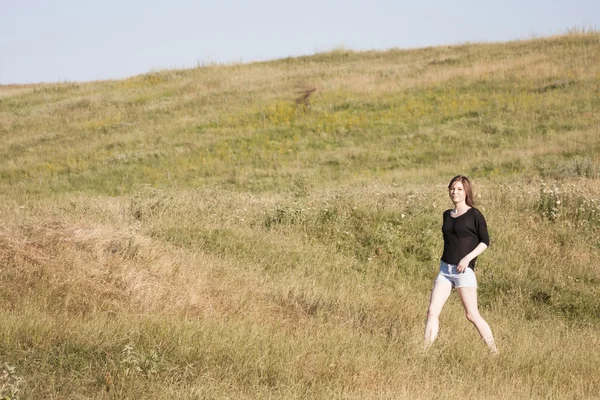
(202, 234)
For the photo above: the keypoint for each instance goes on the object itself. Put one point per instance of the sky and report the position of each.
(85, 40)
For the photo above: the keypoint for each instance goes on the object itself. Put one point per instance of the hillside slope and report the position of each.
(271, 230)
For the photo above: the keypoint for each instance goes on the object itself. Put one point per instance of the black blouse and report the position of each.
(462, 234)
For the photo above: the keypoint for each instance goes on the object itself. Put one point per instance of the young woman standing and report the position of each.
(465, 238)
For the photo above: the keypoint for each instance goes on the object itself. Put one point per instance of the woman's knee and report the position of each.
(433, 313)
(473, 317)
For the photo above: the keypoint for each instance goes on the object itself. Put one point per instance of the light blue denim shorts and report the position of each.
(448, 273)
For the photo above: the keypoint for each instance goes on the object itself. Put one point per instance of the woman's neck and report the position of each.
(460, 208)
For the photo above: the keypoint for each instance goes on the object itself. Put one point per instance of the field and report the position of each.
(272, 230)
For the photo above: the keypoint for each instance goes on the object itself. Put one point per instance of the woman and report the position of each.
(465, 238)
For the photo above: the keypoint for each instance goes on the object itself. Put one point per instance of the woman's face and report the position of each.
(457, 192)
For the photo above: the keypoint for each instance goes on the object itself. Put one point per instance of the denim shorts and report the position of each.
(448, 273)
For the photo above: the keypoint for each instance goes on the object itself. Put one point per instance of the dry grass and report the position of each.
(199, 234)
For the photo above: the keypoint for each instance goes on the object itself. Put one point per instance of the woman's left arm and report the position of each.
(464, 263)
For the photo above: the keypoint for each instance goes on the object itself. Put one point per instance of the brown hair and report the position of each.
(469, 199)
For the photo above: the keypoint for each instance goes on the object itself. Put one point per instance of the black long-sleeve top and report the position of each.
(462, 234)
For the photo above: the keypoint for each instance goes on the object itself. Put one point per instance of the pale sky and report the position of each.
(82, 40)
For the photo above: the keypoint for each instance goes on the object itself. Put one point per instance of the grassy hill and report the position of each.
(272, 230)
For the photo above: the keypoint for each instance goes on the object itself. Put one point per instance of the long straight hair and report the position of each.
(467, 186)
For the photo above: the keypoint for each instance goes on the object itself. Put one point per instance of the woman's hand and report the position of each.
(462, 265)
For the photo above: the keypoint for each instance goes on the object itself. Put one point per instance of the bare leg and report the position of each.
(468, 296)
(439, 295)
